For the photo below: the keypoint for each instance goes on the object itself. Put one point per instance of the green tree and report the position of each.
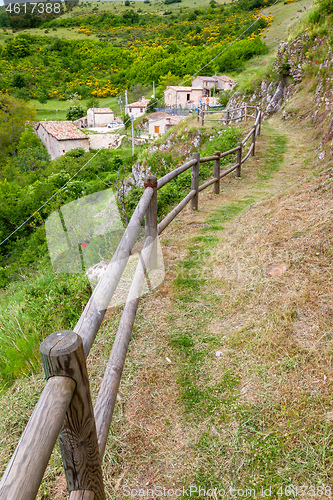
(127, 121)
(74, 112)
(14, 113)
(41, 96)
(18, 47)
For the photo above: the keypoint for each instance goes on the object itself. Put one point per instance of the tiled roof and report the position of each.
(63, 130)
(214, 78)
(100, 111)
(158, 115)
(139, 104)
(179, 88)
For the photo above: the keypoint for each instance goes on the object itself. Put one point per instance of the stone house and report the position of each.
(138, 108)
(61, 137)
(160, 122)
(180, 97)
(207, 84)
(201, 89)
(99, 117)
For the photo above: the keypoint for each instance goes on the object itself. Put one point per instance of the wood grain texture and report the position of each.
(217, 171)
(239, 160)
(151, 220)
(82, 495)
(62, 354)
(195, 181)
(25, 470)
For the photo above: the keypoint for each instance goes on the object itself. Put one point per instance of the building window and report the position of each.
(157, 129)
(188, 97)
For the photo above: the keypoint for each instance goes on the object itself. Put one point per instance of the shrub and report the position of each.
(75, 112)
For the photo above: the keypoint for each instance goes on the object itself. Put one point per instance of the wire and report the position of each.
(129, 119)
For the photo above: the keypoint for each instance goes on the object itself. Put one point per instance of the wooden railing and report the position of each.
(65, 408)
(228, 115)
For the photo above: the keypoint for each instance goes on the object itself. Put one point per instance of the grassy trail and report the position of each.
(238, 404)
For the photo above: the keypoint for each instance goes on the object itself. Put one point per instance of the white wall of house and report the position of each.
(160, 126)
(96, 119)
(136, 111)
(182, 96)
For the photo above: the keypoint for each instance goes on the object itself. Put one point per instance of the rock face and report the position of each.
(295, 61)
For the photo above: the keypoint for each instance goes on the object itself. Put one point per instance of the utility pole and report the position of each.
(126, 102)
(132, 135)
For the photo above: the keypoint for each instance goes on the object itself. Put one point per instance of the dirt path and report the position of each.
(227, 381)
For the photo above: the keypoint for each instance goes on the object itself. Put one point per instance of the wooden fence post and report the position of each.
(195, 181)
(254, 141)
(151, 219)
(62, 355)
(202, 115)
(259, 126)
(227, 120)
(198, 113)
(217, 171)
(239, 160)
(245, 112)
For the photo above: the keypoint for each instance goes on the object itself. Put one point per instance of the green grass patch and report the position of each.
(273, 157)
(29, 311)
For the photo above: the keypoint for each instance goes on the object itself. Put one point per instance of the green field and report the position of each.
(56, 110)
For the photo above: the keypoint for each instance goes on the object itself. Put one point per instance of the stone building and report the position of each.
(203, 89)
(61, 137)
(99, 117)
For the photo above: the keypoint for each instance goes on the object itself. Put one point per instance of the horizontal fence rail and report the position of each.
(65, 409)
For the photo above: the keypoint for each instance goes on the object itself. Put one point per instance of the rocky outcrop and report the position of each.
(300, 59)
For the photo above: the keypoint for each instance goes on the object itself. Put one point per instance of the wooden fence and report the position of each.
(228, 115)
(65, 408)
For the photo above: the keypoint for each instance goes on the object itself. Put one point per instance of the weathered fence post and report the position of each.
(239, 160)
(62, 355)
(151, 219)
(245, 113)
(217, 170)
(202, 115)
(195, 181)
(198, 113)
(227, 119)
(259, 126)
(254, 141)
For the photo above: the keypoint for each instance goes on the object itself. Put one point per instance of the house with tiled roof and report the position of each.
(61, 137)
(207, 83)
(202, 90)
(138, 108)
(160, 122)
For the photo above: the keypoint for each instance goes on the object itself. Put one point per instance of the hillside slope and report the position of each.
(245, 401)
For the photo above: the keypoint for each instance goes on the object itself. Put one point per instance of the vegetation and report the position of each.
(132, 49)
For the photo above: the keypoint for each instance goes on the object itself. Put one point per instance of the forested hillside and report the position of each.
(132, 48)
